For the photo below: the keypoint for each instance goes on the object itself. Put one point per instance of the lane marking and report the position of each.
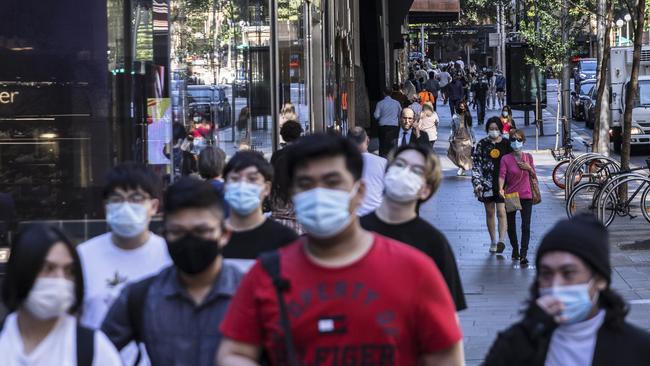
(640, 302)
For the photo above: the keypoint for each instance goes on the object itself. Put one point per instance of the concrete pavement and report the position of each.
(495, 287)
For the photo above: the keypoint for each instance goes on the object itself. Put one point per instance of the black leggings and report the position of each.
(526, 213)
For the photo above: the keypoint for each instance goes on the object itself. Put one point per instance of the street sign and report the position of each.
(494, 39)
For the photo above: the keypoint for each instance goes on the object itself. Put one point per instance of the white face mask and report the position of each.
(505, 114)
(50, 297)
(402, 185)
(322, 212)
(494, 134)
(126, 219)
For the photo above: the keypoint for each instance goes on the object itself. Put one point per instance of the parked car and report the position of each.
(211, 102)
(589, 107)
(578, 100)
(585, 69)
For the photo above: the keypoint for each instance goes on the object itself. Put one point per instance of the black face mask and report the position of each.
(192, 254)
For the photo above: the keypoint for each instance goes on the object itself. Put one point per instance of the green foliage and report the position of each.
(476, 12)
(546, 37)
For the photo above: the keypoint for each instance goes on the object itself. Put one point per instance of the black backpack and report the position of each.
(135, 305)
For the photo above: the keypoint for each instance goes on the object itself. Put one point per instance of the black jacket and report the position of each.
(526, 343)
(414, 140)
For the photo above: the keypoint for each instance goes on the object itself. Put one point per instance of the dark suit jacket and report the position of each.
(422, 140)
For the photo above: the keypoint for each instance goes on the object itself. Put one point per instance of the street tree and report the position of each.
(637, 10)
(602, 118)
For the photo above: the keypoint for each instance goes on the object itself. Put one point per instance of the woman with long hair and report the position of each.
(507, 121)
(461, 139)
(429, 122)
(485, 179)
(43, 291)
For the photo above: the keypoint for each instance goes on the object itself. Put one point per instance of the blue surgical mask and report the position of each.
(517, 146)
(126, 219)
(322, 212)
(243, 197)
(576, 300)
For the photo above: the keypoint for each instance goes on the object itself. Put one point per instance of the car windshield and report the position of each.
(588, 65)
(585, 88)
(643, 93)
(199, 95)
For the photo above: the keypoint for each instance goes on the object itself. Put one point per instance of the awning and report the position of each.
(431, 11)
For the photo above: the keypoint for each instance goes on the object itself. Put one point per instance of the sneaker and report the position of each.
(460, 172)
(515, 254)
(493, 248)
(500, 246)
(523, 261)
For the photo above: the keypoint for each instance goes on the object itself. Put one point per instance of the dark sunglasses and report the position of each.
(518, 140)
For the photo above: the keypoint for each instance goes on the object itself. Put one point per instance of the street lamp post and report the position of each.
(619, 25)
(627, 18)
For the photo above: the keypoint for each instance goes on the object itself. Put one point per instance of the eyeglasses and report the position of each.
(134, 198)
(518, 139)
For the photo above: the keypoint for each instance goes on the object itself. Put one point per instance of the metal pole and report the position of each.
(422, 41)
(566, 78)
(498, 63)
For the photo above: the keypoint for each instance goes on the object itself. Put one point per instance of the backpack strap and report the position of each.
(85, 346)
(271, 263)
(135, 305)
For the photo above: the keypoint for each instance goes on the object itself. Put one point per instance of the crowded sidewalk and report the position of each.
(496, 287)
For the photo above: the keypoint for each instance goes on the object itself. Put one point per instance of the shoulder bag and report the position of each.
(534, 184)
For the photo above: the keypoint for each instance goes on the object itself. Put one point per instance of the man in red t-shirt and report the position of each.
(354, 297)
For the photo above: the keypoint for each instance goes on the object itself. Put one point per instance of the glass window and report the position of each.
(588, 65)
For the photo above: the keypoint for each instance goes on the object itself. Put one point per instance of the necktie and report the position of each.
(403, 139)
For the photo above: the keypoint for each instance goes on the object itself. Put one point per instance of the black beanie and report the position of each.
(583, 236)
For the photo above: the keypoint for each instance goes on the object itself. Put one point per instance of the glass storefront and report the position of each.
(87, 85)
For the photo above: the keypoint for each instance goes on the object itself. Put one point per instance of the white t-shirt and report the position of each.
(374, 168)
(445, 78)
(574, 344)
(57, 348)
(107, 268)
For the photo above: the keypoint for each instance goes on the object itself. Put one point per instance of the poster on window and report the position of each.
(159, 122)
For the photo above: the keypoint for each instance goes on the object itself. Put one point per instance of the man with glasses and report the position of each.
(413, 176)
(176, 314)
(353, 297)
(129, 252)
(408, 133)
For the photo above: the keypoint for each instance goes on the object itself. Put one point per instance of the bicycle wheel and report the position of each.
(611, 207)
(645, 204)
(633, 189)
(559, 174)
(583, 199)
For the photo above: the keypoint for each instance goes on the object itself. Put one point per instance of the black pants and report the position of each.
(526, 213)
(387, 137)
(480, 105)
(452, 106)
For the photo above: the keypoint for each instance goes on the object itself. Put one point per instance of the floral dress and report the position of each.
(487, 160)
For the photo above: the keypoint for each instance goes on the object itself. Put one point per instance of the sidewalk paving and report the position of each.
(496, 288)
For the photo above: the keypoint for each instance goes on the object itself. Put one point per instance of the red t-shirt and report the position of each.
(388, 308)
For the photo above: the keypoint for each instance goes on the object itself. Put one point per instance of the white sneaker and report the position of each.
(460, 172)
(493, 248)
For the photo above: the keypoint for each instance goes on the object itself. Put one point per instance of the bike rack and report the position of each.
(617, 182)
(578, 163)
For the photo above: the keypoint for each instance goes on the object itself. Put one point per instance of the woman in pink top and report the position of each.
(514, 176)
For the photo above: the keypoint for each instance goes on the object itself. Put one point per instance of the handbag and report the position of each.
(534, 188)
(512, 201)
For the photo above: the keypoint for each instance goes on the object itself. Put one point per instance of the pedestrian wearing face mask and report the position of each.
(413, 176)
(461, 139)
(485, 180)
(248, 182)
(573, 317)
(176, 314)
(507, 121)
(515, 173)
(341, 298)
(43, 291)
(129, 252)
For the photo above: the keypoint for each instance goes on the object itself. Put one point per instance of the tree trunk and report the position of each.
(638, 21)
(602, 119)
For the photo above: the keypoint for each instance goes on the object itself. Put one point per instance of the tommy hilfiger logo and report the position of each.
(332, 325)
